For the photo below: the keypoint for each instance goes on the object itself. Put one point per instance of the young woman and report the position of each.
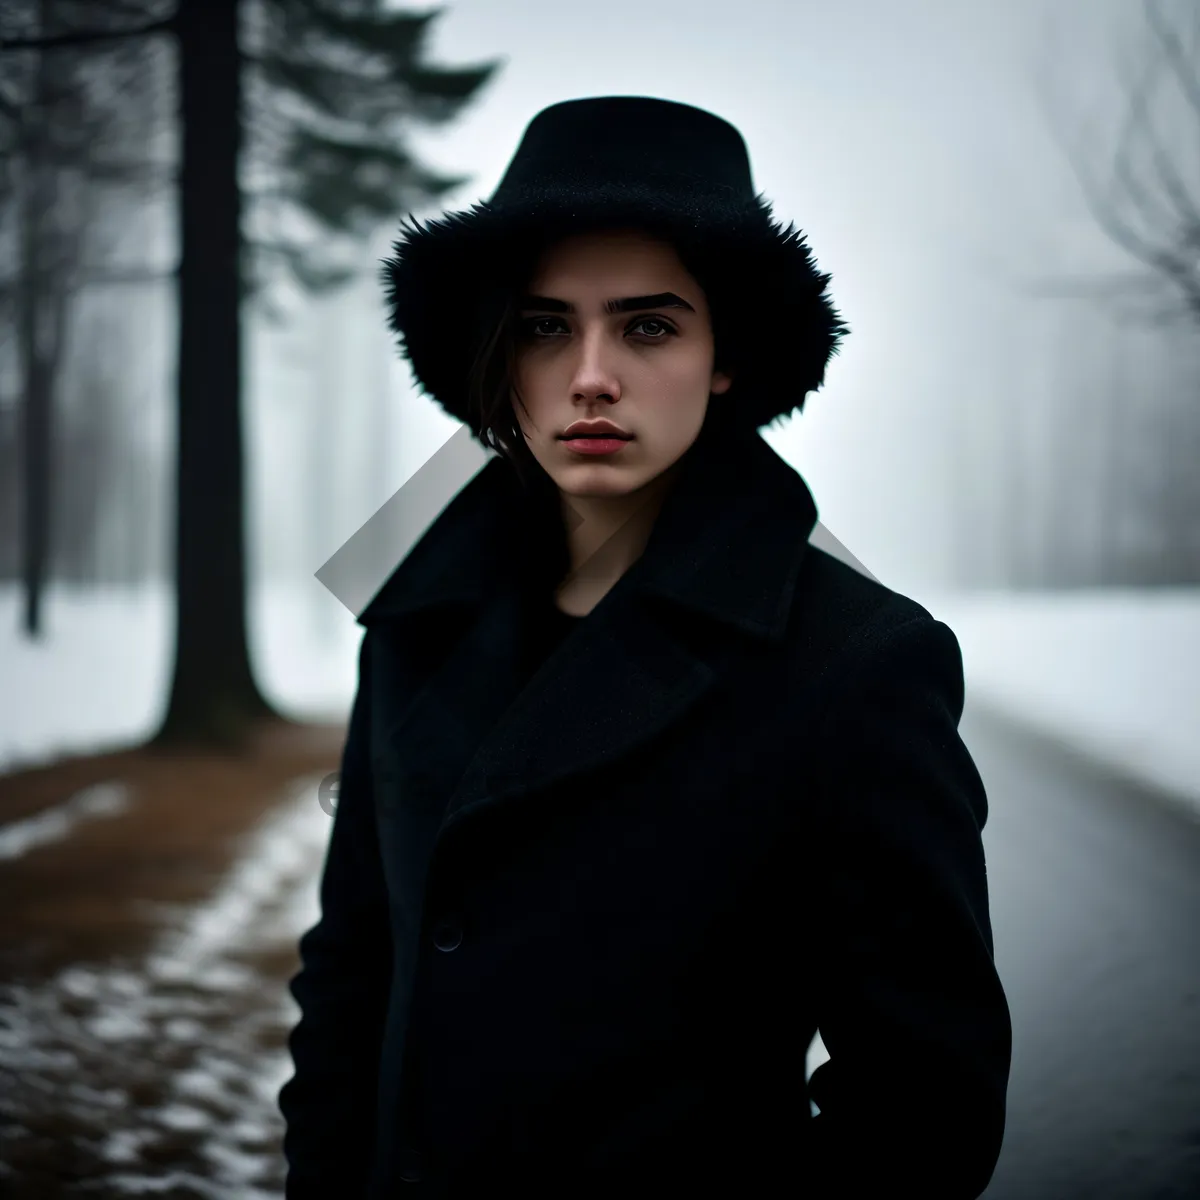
(640, 788)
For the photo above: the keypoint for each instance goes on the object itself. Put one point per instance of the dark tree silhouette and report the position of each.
(1145, 193)
(353, 74)
(331, 89)
(1134, 431)
(334, 87)
(71, 124)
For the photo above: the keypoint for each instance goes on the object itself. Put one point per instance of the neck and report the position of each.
(605, 536)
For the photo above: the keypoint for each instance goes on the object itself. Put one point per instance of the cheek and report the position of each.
(532, 370)
(683, 376)
(535, 388)
(686, 362)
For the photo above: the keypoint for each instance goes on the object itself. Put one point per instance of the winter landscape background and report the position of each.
(1007, 198)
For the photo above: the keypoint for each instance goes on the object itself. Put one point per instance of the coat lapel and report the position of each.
(721, 565)
(615, 683)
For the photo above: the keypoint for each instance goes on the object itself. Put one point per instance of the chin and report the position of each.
(588, 480)
(596, 489)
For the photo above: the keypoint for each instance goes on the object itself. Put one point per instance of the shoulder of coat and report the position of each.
(835, 605)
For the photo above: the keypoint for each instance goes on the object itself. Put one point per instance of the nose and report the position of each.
(594, 377)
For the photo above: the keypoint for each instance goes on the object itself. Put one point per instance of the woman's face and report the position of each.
(647, 367)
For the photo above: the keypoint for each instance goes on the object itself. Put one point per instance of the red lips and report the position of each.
(600, 428)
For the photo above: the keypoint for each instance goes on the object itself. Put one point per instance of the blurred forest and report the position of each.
(178, 177)
(182, 165)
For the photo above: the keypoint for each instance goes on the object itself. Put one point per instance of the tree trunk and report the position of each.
(35, 417)
(36, 425)
(214, 698)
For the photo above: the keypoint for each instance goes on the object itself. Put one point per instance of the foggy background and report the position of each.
(974, 433)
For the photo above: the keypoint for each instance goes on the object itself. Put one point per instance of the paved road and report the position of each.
(1095, 888)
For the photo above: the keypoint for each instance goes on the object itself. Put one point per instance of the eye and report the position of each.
(667, 328)
(530, 324)
(532, 327)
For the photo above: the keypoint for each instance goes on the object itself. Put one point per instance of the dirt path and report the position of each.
(152, 909)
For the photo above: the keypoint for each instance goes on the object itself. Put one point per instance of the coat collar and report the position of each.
(727, 544)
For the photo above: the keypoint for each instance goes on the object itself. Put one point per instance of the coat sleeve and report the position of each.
(909, 1004)
(329, 1104)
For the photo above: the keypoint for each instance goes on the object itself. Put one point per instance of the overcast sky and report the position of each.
(907, 139)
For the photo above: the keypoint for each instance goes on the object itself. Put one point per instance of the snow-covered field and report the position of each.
(1113, 673)
(98, 677)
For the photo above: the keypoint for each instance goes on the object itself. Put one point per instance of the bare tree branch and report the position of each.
(1146, 209)
(86, 37)
(1168, 39)
(1138, 130)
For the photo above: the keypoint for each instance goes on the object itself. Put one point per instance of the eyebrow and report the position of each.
(628, 304)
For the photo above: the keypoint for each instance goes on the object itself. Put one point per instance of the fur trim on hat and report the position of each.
(446, 281)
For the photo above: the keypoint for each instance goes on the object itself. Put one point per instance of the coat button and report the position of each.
(408, 1165)
(447, 933)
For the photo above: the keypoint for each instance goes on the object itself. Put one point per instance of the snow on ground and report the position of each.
(98, 678)
(105, 799)
(1113, 673)
(179, 1058)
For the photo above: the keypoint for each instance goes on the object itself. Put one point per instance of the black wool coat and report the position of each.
(577, 935)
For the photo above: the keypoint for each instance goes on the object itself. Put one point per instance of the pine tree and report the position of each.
(278, 185)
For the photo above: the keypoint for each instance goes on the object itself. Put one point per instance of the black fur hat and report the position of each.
(676, 171)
